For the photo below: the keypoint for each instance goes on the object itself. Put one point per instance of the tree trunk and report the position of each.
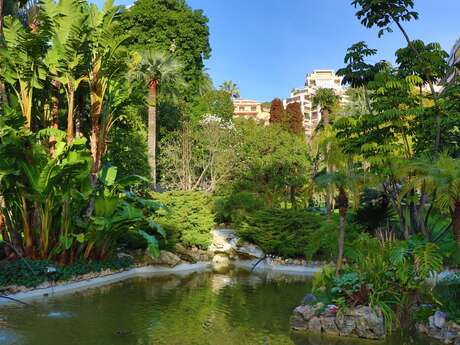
(79, 112)
(456, 222)
(3, 95)
(342, 202)
(70, 106)
(325, 114)
(152, 98)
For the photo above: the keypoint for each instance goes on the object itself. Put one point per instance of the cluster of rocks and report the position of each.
(359, 322)
(277, 260)
(440, 328)
(225, 248)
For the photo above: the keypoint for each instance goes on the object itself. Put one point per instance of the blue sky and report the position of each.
(267, 46)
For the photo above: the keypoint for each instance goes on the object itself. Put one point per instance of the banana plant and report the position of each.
(65, 58)
(117, 211)
(21, 61)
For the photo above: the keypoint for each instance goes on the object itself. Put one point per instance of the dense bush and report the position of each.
(390, 276)
(229, 208)
(293, 232)
(447, 292)
(188, 218)
(31, 273)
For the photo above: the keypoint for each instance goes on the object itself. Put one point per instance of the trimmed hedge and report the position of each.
(188, 219)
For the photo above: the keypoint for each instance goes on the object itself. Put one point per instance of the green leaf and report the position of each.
(153, 246)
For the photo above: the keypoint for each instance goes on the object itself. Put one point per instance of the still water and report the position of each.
(199, 309)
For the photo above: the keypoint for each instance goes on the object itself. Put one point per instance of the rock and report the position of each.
(421, 328)
(192, 255)
(329, 326)
(309, 299)
(247, 251)
(224, 241)
(314, 324)
(440, 319)
(306, 311)
(457, 341)
(165, 259)
(369, 325)
(431, 322)
(346, 325)
(448, 336)
(298, 323)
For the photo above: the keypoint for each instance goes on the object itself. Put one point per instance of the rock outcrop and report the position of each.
(440, 328)
(225, 241)
(165, 259)
(359, 322)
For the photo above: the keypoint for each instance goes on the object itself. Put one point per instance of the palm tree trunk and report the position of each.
(151, 136)
(342, 202)
(3, 95)
(456, 222)
(70, 108)
(79, 112)
(325, 114)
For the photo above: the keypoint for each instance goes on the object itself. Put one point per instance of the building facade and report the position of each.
(249, 108)
(318, 79)
(454, 59)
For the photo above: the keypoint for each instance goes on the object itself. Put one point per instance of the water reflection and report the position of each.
(198, 309)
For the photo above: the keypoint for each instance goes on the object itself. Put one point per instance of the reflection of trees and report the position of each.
(171, 310)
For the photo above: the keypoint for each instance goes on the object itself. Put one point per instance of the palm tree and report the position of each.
(443, 178)
(156, 68)
(326, 99)
(230, 87)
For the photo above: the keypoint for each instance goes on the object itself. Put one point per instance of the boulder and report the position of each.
(362, 321)
(192, 255)
(314, 324)
(224, 241)
(439, 319)
(329, 326)
(247, 251)
(165, 259)
(346, 325)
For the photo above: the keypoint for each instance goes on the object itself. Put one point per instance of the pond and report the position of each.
(198, 309)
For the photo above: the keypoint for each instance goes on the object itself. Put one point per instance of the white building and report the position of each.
(454, 59)
(318, 79)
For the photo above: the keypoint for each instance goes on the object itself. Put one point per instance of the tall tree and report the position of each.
(326, 100)
(277, 113)
(231, 88)
(295, 118)
(382, 14)
(156, 68)
(170, 26)
(358, 73)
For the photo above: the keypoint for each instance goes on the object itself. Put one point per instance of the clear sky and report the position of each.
(267, 46)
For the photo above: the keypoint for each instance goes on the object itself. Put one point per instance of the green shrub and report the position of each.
(31, 273)
(132, 240)
(294, 233)
(228, 209)
(189, 218)
(447, 292)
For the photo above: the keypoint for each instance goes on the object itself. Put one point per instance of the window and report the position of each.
(253, 108)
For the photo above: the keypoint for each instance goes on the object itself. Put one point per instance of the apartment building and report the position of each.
(248, 108)
(454, 59)
(318, 79)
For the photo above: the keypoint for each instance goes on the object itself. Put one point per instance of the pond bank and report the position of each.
(74, 286)
(147, 271)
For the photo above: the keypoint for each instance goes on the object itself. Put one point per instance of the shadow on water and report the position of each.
(198, 309)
